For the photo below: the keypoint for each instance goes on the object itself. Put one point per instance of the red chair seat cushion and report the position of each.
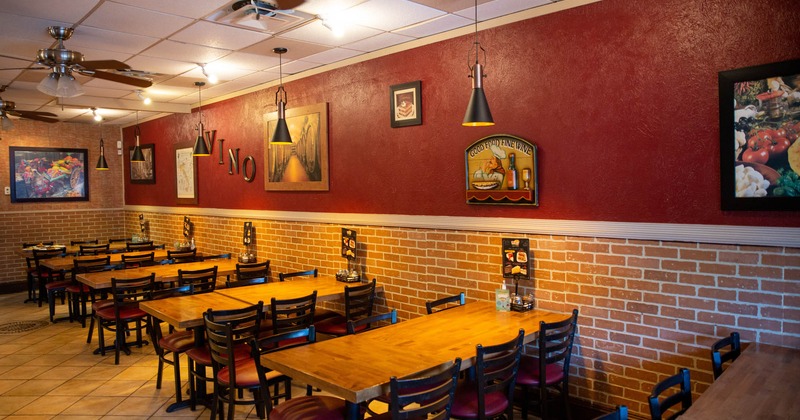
(317, 407)
(202, 355)
(465, 403)
(125, 314)
(100, 304)
(78, 288)
(334, 326)
(246, 374)
(54, 285)
(322, 314)
(177, 342)
(528, 373)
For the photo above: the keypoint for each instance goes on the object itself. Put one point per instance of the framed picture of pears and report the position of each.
(501, 169)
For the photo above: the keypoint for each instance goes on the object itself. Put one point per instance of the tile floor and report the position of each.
(51, 373)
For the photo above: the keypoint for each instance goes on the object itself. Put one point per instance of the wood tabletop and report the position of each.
(187, 311)
(164, 272)
(358, 367)
(66, 263)
(763, 382)
(326, 286)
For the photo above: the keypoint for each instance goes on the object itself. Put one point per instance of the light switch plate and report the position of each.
(7, 191)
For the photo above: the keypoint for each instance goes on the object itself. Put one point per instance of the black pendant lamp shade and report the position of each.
(281, 134)
(138, 156)
(478, 113)
(102, 165)
(200, 147)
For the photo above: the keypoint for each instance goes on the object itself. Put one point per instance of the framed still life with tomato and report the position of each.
(759, 126)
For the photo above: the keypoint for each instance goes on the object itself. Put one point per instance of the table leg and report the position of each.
(352, 411)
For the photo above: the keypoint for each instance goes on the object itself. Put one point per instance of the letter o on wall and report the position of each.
(248, 176)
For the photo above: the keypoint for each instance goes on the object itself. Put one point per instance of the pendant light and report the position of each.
(138, 156)
(200, 146)
(478, 113)
(102, 165)
(281, 134)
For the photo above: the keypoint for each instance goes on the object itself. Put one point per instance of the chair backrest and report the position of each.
(93, 249)
(734, 349)
(555, 345)
(620, 413)
(227, 330)
(372, 322)
(128, 292)
(245, 282)
(43, 254)
(283, 341)
(283, 276)
(445, 303)
(429, 397)
(496, 369)
(292, 314)
(140, 246)
(180, 257)
(84, 242)
(138, 260)
(359, 301)
(203, 280)
(90, 265)
(246, 271)
(683, 396)
(113, 240)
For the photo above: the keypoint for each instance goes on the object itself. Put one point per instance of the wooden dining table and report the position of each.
(763, 382)
(357, 367)
(114, 247)
(66, 262)
(164, 272)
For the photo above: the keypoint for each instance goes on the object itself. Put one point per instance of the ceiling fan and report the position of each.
(8, 108)
(62, 63)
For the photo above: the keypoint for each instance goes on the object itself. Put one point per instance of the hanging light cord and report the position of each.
(280, 94)
(478, 46)
(136, 131)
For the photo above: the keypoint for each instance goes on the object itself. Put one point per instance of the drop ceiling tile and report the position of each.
(333, 55)
(93, 88)
(379, 42)
(322, 7)
(298, 66)
(451, 6)
(218, 36)
(297, 49)
(63, 113)
(134, 20)
(317, 33)
(497, 8)
(163, 93)
(224, 74)
(26, 93)
(160, 65)
(23, 49)
(61, 10)
(189, 8)
(434, 26)
(101, 39)
(28, 28)
(31, 76)
(189, 53)
(389, 15)
(246, 61)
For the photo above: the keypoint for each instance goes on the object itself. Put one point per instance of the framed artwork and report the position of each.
(48, 174)
(185, 176)
(144, 172)
(405, 104)
(302, 165)
(502, 169)
(759, 120)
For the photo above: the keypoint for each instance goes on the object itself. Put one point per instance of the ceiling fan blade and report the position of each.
(26, 68)
(104, 64)
(288, 4)
(34, 115)
(119, 78)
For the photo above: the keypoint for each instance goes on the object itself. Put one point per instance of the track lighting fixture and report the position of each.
(97, 117)
(281, 134)
(478, 113)
(145, 99)
(211, 77)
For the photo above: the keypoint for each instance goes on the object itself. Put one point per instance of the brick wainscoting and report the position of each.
(647, 307)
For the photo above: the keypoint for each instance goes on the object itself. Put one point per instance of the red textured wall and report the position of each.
(620, 96)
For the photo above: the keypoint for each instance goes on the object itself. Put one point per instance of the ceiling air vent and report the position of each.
(259, 15)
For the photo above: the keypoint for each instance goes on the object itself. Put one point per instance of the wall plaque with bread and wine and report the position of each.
(501, 169)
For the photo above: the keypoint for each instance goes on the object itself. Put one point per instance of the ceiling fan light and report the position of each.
(68, 87)
(49, 84)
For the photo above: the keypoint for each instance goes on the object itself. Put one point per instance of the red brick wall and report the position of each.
(646, 307)
(100, 217)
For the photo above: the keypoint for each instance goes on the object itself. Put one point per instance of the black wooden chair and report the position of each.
(426, 397)
(94, 249)
(52, 283)
(138, 260)
(659, 406)
(549, 368)
(84, 242)
(173, 343)
(718, 358)
(78, 294)
(292, 314)
(30, 270)
(203, 280)
(127, 293)
(491, 393)
(620, 413)
(445, 303)
(319, 313)
(230, 332)
(139, 246)
(372, 322)
(180, 257)
(358, 303)
(249, 273)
